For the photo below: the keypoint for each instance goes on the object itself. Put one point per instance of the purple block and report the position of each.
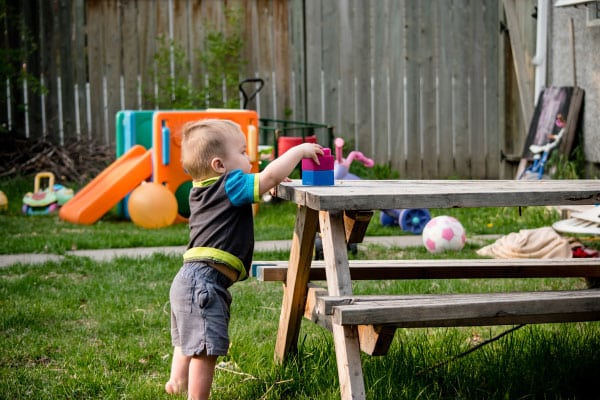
(326, 162)
(317, 178)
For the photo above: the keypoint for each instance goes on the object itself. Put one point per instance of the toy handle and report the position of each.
(259, 83)
(252, 143)
(39, 177)
(339, 144)
(358, 156)
(166, 142)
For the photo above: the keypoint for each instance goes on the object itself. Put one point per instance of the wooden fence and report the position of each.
(416, 84)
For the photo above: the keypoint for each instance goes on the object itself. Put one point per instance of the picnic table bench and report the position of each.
(342, 212)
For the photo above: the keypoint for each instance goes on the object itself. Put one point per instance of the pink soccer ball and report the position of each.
(443, 233)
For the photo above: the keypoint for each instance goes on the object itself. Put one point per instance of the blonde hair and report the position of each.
(203, 140)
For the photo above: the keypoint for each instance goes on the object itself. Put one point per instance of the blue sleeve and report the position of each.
(242, 188)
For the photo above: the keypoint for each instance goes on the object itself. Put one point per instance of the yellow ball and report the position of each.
(152, 205)
(3, 201)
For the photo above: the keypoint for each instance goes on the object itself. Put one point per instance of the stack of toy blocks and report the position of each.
(321, 174)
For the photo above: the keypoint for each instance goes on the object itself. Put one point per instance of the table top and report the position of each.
(402, 194)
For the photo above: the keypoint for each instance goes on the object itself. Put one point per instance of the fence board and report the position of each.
(362, 31)
(161, 16)
(460, 112)
(146, 28)
(32, 67)
(131, 55)
(476, 95)
(428, 65)
(5, 99)
(380, 96)
(445, 154)
(412, 92)
(266, 58)
(40, 67)
(345, 78)
(397, 68)
(65, 24)
(52, 74)
(80, 73)
(298, 60)
(178, 24)
(195, 41)
(314, 59)
(112, 69)
(282, 57)
(11, 39)
(95, 63)
(253, 53)
(492, 109)
(329, 96)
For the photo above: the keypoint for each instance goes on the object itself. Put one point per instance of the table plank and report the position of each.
(402, 194)
(467, 309)
(445, 269)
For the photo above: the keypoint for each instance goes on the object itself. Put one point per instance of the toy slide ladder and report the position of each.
(109, 187)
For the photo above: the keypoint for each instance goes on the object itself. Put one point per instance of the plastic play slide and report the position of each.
(109, 187)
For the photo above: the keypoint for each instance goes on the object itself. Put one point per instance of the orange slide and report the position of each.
(109, 187)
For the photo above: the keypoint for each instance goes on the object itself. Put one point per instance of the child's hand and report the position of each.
(278, 170)
(312, 151)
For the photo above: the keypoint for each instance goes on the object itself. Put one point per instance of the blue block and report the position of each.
(317, 178)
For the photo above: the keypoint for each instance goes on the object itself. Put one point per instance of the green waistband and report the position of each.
(220, 256)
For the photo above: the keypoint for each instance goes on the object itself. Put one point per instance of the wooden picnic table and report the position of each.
(342, 212)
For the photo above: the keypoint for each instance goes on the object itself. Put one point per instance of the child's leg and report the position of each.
(202, 370)
(179, 372)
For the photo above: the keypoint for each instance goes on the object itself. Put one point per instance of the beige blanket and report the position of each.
(529, 243)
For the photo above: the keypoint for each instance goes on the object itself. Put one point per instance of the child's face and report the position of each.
(236, 156)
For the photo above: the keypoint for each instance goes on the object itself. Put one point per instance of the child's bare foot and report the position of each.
(174, 388)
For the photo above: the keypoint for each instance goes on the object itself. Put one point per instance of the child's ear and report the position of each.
(217, 165)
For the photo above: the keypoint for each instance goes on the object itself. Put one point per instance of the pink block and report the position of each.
(326, 162)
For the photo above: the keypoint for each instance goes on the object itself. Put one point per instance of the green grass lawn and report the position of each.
(80, 329)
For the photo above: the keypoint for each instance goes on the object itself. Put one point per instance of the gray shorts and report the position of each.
(200, 305)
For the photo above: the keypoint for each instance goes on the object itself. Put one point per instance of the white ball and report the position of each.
(443, 233)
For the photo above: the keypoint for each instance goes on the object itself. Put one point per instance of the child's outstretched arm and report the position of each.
(278, 169)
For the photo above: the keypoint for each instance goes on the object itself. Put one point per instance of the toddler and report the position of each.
(219, 252)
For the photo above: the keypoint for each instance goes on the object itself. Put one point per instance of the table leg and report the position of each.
(295, 289)
(339, 283)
